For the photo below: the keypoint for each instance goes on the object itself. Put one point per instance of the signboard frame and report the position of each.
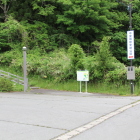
(82, 75)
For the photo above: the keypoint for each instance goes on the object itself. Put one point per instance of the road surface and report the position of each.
(53, 115)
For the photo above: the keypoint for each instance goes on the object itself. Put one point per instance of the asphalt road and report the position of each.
(48, 115)
(125, 126)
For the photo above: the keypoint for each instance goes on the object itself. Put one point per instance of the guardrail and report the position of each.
(12, 77)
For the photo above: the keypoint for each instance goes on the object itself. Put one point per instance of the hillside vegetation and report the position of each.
(63, 36)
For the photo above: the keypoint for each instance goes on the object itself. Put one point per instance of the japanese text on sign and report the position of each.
(130, 44)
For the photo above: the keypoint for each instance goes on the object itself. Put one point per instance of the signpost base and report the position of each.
(85, 87)
(132, 87)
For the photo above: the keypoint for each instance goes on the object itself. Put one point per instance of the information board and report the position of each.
(83, 75)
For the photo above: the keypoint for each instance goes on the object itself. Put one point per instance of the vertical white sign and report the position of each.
(130, 45)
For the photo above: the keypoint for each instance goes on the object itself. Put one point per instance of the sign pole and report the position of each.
(130, 16)
(25, 69)
(80, 87)
(86, 86)
(130, 27)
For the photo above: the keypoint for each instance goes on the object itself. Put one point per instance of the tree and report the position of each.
(103, 59)
(12, 33)
(5, 6)
(52, 24)
(76, 55)
(44, 7)
(86, 20)
(118, 42)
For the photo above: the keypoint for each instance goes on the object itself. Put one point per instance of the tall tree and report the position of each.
(85, 21)
(5, 6)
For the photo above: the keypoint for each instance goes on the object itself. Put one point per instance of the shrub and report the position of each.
(5, 85)
(137, 76)
(56, 66)
(11, 58)
(104, 59)
(76, 55)
(90, 63)
(119, 77)
(102, 62)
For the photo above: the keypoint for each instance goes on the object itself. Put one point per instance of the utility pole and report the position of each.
(132, 48)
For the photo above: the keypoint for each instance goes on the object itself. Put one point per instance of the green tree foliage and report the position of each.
(86, 20)
(5, 6)
(76, 55)
(102, 62)
(10, 57)
(12, 32)
(57, 66)
(118, 77)
(44, 7)
(136, 28)
(118, 41)
(103, 58)
(38, 37)
(51, 24)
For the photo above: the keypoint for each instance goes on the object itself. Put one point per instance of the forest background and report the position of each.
(63, 36)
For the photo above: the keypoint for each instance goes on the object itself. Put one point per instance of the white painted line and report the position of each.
(90, 125)
(81, 129)
(94, 123)
(74, 132)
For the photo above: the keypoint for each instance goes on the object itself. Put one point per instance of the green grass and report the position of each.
(110, 89)
(36, 81)
(73, 85)
(17, 87)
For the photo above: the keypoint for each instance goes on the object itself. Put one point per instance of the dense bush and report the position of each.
(61, 65)
(119, 77)
(56, 66)
(137, 76)
(9, 57)
(102, 62)
(5, 85)
(77, 56)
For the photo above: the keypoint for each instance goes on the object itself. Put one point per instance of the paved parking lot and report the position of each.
(48, 114)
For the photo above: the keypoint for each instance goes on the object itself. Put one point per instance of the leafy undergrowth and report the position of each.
(73, 85)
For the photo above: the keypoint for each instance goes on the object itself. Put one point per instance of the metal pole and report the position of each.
(130, 16)
(130, 22)
(130, 27)
(80, 87)
(25, 69)
(86, 86)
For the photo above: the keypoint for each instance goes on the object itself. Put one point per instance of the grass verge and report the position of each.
(73, 85)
